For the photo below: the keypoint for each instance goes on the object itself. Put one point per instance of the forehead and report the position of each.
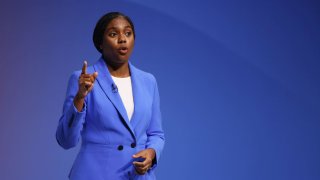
(118, 23)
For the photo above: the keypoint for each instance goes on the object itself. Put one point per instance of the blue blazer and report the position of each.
(109, 139)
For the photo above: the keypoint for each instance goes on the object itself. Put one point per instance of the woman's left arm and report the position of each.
(155, 141)
(155, 132)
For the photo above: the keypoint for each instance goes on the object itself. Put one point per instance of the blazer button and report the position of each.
(120, 147)
(133, 145)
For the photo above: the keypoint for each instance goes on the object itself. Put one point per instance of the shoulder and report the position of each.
(143, 75)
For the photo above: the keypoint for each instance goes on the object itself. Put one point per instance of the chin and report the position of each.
(122, 60)
(118, 59)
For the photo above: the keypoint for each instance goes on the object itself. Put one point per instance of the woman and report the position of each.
(114, 107)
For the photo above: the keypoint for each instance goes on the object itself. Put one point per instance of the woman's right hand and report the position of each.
(86, 82)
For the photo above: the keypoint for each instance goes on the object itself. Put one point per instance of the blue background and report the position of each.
(238, 80)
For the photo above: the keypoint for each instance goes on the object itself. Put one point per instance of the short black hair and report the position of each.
(102, 25)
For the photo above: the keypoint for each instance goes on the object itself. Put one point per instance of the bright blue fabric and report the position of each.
(103, 126)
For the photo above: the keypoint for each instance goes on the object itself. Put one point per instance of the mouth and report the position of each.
(123, 50)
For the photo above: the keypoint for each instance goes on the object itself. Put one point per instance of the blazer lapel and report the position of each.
(137, 89)
(108, 86)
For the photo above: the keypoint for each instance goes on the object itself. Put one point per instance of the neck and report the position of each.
(118, 70)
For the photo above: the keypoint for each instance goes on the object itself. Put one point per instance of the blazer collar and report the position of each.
(108, 86)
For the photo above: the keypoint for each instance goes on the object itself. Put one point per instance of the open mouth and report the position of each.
(123, 50)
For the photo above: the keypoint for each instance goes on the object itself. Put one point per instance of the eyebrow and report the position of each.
(117, 28)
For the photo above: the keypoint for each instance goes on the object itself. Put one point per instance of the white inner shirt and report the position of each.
(125, 91)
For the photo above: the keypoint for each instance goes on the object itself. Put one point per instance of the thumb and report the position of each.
(95, 75)
(139, 154)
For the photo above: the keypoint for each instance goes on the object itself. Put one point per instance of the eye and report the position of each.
(128, 33)
(112, 34)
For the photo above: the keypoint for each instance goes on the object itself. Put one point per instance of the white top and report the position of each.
(125, 91)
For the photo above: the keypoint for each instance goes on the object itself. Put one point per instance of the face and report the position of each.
(118, 41)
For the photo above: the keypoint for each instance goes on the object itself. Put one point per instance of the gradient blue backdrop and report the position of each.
(239, 84)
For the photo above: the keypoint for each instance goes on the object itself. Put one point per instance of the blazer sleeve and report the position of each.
(71, 121)
(155, 132)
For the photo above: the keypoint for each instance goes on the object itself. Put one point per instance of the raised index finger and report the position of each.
(84, 67)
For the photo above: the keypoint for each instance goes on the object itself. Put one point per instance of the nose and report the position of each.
(122, 38)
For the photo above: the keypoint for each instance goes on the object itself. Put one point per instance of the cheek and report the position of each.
(108, 44)
(131, 43)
